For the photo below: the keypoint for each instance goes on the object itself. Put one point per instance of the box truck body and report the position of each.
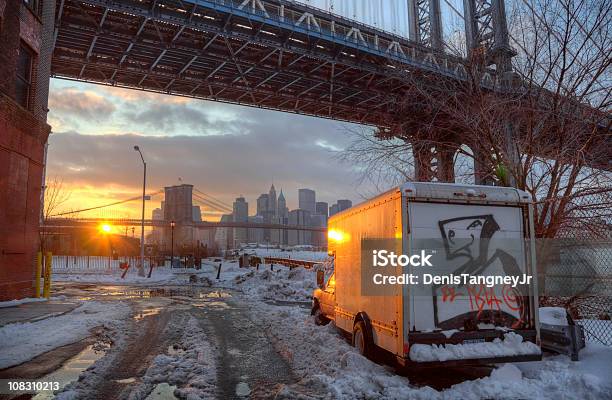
(474, 230)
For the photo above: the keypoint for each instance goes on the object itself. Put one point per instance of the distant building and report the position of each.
(262, 204)
(299, 217)
(319, 239)
(340, 205)
(272, 206)
(279, 236)
(256, 235)
(306, 200)
(321, 208)
(282, 210)
(241, 214)
(224, 237)
(178, 207)
(344, 205)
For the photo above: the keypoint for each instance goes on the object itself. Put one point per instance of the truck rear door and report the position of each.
(468, 239)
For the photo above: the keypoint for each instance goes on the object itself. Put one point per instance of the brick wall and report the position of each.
(23, 135)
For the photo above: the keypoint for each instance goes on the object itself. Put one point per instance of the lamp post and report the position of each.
(144, 185)
(172, 225)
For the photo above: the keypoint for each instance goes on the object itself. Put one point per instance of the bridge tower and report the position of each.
(487, 38)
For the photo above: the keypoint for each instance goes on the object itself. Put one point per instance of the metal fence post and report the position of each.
(39, 261)
(47, 284)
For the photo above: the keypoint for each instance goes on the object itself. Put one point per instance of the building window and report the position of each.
(24, 76)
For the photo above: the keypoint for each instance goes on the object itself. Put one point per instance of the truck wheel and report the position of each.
(361, 340)
(319, 318)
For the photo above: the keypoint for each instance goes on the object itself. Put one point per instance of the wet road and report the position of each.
(247, 365)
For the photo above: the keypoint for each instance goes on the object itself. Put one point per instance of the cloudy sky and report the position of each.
(224, 150)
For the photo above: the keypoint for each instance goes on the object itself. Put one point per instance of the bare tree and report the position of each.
(56, 197)
(543, 128)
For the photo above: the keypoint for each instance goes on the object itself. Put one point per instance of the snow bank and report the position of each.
(20, 342)
(331, 368)
(553, 316)
(281, 284)
(13, 303)
(160, 275)
(512, 345)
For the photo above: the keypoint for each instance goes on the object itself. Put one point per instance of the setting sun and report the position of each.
(105, 228)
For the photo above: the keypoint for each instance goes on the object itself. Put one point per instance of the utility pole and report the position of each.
(144, 185)
(172, 225)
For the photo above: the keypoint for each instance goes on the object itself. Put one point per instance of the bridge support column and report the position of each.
(433, 163)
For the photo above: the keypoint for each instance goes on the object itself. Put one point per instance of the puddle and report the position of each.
(243, 389)
(126, 381)
(218, 304)
(147, 312)
(162, 391)
(301, 304)
(71, 370)
(178, 293)
(215, 294)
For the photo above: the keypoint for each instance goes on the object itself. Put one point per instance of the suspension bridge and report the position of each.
(107, 214)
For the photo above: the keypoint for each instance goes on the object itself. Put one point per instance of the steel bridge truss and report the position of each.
(271, 54)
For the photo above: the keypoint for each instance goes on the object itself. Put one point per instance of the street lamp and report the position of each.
(144, 185)
(172, 225)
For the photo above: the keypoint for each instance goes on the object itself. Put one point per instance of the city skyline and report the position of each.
(223, 149)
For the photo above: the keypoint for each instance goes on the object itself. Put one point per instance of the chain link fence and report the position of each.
(575, 272)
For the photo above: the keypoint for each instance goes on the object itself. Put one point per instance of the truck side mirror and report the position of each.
(321, 278)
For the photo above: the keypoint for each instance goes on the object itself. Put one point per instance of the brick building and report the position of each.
(26, 42)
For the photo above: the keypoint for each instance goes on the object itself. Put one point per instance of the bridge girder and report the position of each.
(234, 52)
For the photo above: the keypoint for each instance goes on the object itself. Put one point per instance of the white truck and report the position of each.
(454, 315)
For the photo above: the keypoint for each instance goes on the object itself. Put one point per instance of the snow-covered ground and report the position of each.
(326, 364)
(13, 303)
(20, 342)
(327, 361)
(160, 275)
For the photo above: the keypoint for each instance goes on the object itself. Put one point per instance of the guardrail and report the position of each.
(290, 262)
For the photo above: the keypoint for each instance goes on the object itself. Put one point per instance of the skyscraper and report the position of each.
(321, 208)
(241, 214)
(299, 217)
(272, 201)
(306, 200)
(263, 204)
(344, 205)
(282, 210)
(340, 205)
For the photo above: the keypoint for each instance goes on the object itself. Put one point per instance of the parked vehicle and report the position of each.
(475, 230)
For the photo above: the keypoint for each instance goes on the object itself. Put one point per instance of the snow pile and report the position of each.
(13, 303)
(512, 345)
(190, 365)
(281, 284)
(160, 275)
(20, 342)
(553, 316)
(331, 368)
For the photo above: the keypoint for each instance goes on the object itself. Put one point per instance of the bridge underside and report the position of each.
(284, 56)
(226, 54)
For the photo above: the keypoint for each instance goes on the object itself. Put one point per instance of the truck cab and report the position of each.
(324, 299)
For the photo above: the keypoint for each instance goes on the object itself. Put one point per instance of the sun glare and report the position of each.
(105, 228)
